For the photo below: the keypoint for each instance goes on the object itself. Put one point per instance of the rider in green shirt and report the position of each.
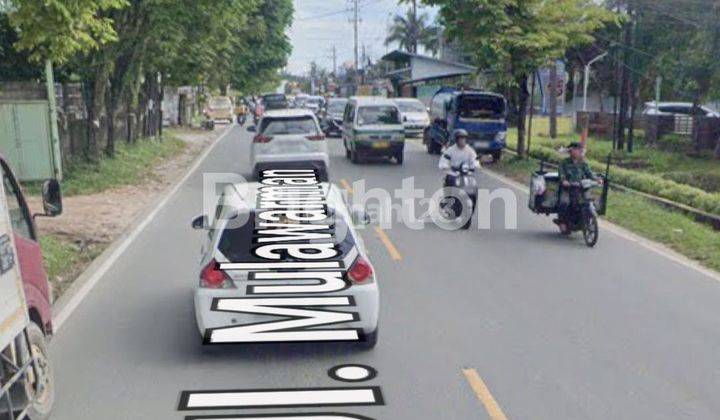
(572, 170)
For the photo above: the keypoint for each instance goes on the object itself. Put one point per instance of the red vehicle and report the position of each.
(30, 393)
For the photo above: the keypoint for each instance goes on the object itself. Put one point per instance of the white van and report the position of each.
(372, 127)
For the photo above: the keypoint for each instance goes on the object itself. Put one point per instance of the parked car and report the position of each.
(372, 128)
(235, 242)
(332, 120)
(415, 116)
(219, 108)
(37, 293)
(482, 114)
(289, 138)
(677, 108)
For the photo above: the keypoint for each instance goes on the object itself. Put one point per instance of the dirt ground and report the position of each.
(93, 221)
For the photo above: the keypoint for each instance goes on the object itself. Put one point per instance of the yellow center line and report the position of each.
(483, 394)
(394, 253)
(392, 250)
(346, 186)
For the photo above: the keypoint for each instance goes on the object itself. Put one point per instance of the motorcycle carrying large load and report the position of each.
(545, 195)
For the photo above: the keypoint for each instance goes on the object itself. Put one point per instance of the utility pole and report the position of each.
(553, 99)
(414, 27)
(334, 58)
(355, 25)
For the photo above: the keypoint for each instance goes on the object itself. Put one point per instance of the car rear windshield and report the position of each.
(411, 106)
(221, 103)
(237, 244)
(481, 106)
(274, 98)
(337, 106)
(290, 125)
(378, 115)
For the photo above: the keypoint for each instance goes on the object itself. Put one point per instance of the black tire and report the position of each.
(496, 155)
(348, 155)
(467, 224)
(370, 340)
(42, 402)
(591, 231)
(354, 158)
(399, 158)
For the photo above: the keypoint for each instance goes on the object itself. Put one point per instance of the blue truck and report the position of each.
(482, 114)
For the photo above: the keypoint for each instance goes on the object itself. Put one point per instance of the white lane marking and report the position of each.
(280, 398)
(625, 234)
(64, 313)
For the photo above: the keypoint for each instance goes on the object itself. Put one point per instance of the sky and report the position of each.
(320, 24)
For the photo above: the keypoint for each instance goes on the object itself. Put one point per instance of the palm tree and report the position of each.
(412, 30)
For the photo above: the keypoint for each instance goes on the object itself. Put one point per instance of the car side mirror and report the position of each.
(361, 218)
(52, 198)
(200, 222)
(251, 129)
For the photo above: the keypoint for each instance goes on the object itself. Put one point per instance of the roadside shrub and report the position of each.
(645, 182)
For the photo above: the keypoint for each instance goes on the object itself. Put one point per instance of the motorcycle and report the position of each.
(581, 213)
(460, 196)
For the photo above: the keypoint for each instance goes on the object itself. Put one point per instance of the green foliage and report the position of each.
(59, 29)
(14, 65)
(513, 38)
(412, 30)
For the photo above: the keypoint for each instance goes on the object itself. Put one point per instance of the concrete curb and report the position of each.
(624, 233)
(64, 306)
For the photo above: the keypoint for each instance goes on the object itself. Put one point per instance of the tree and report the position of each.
(513, 38)
(58, 29)
(412, 30)
(14, 65)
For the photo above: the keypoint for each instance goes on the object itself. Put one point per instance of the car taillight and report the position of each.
(315, 137)
(213, 277)
(262, 139)
(361, 272)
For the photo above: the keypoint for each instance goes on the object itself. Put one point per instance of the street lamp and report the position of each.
(587, 77)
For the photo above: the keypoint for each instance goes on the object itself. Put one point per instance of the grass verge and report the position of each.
(64, 259)
(133, 164)
(678, 231)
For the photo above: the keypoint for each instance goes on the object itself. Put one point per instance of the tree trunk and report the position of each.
(522, 111)
(552, 100)
(695, 123)
(110, 111)
(532, 111)
(624, 90)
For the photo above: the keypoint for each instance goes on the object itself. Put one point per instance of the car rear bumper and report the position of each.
(365, 297)
(317, 161)
(369, 148)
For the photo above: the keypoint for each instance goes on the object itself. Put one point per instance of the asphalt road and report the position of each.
(553, 330)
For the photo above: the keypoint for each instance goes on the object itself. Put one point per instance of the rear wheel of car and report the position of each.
(399, 158)
(354, 158)
(496, 155)
(348, 155)
(40, 385)
(370, 340)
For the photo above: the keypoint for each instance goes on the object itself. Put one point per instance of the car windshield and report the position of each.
(481, 106)
(237, 244)
(411, 106)
(378, 115)
(337, 106)
(284, 126)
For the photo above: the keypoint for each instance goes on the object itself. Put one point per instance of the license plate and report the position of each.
(380, 145)
(482, 144)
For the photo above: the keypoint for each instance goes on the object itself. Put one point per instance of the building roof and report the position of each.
(398, 55)
(421, 68)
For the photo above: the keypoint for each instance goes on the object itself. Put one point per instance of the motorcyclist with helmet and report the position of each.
(456, 155)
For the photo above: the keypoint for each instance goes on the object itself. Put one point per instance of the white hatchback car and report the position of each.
(243, 295)
(291, 139)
